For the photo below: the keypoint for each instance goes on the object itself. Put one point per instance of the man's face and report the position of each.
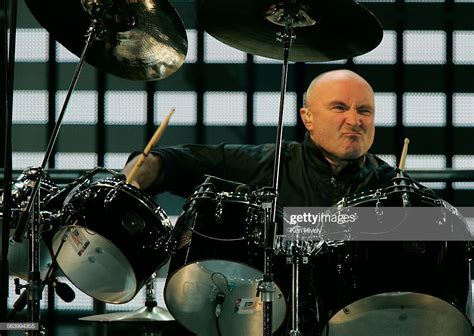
(340, 116)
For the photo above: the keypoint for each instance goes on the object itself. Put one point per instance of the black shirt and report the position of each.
(306, 177)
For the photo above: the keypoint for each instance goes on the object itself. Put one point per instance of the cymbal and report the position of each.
(325, 30)
(144, 314)
(143, 39)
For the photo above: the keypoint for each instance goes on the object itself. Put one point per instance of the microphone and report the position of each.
(19, 304)
(63, 290)
(219, 300)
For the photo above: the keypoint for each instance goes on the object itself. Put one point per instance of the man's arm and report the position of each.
(150, 172)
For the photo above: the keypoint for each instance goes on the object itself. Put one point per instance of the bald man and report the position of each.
(332, 162)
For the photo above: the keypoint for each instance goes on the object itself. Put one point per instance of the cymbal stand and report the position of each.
(34, 285)
(296, 260)
(288, 14)
(267, 286)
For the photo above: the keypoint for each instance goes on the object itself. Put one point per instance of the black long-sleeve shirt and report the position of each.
(306, 177)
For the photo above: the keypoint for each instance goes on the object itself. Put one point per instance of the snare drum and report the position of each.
(111, 240)
(401, 287)
(219, 254)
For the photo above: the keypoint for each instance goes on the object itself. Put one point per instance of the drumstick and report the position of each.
(154, 139)
(401, 165)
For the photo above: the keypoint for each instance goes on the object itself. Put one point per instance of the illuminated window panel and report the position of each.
(343, 61)
(218, 52)
(31, 45)
(463, 162)
(384, 53)
(81, 108)
(184, 102)
(139, 300)
(267, 105)
(22, 160)
(385, 109)
(225, 108)
(125, 108)
(424, 109)
(376, 1)
(30, 107)
(389, 158)
(65, 56)
(12, 296)
(462, 109)
(424, 47)
(115, 160)
(463, 45)
(82, 301)
(266, 60)
(76, 160)
(427, 162)
(191, 56)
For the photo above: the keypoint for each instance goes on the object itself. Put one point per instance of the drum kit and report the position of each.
(230, 273)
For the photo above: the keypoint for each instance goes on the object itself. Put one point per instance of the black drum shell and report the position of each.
(128, 218)
(358, 269)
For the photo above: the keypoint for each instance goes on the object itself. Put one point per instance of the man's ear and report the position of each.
(306, 117)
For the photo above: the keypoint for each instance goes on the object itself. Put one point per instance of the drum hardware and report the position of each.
(151, 312)
(63, 290)
(295, 295)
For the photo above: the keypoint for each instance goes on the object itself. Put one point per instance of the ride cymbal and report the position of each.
(140, 39)
(325, 30)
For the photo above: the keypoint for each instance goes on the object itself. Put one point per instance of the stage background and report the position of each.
(422, 73)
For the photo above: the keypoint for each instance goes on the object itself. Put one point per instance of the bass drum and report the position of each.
(211, 287)
(111, 239)
(400, 287)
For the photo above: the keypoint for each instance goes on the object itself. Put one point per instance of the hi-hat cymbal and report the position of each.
(143, 39)
(325, 30)
(144, 314)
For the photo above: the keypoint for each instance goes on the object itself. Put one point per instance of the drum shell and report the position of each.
(431, 269)
(124, 217)
(218, 247)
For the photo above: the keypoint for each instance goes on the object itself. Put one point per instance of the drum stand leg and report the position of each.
(287, 18)
(295, 285)
(35, 286)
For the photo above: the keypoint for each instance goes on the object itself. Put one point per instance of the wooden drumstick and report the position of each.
(401, 166)
(154, 139)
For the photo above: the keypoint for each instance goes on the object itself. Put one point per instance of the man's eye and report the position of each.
(365, 111)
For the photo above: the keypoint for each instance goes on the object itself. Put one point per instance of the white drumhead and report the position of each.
(95, 265)
(191, 291)
(399, 313)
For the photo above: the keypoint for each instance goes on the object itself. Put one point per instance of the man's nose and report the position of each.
(353, 117)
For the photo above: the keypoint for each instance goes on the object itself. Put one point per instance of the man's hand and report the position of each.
(150, 172)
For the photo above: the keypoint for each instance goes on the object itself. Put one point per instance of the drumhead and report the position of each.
(399, 313)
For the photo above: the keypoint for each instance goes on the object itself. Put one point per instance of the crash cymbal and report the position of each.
(142, 40)
(144, 314)
(325, 30)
